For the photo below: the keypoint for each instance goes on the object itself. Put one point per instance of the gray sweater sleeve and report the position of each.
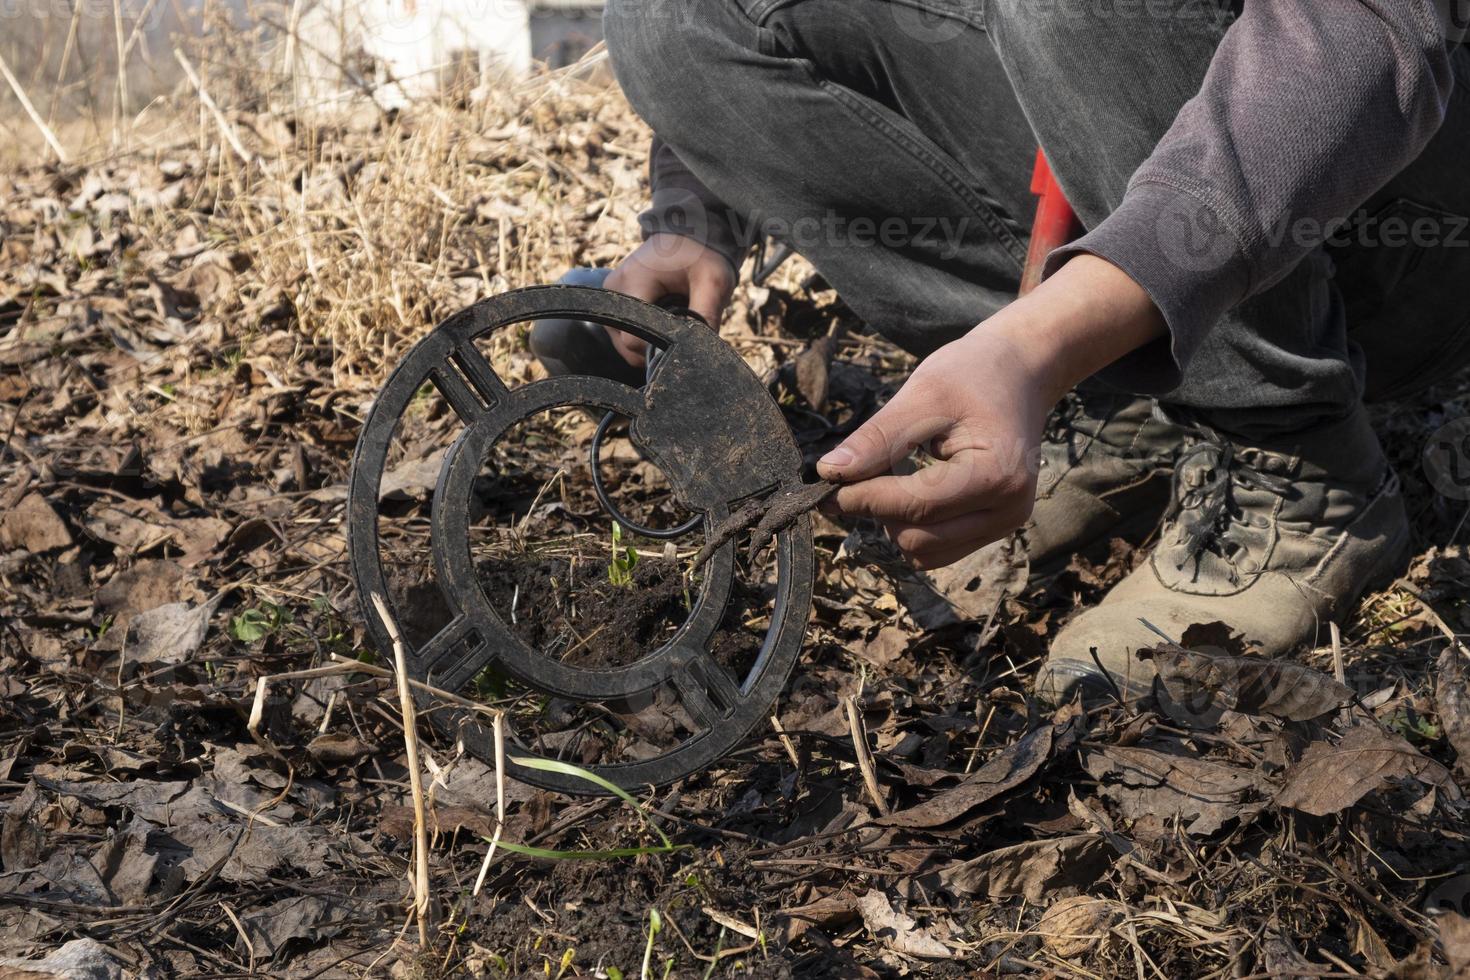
(682, 205)
(1308, 107)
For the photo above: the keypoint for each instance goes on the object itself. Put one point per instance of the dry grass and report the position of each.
(373, 227)
(369, 225)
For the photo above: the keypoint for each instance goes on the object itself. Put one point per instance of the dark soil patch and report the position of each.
(570, 610)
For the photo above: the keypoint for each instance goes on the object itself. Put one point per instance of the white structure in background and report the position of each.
(402, 49)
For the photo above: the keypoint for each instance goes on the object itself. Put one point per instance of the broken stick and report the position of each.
(768, 516)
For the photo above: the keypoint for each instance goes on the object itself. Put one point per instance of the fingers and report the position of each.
(936, 545)
(636, 280)
(708, 295)
(967, 482)
(633, 349)
(633, 280)
(904, 423)
(665, 266)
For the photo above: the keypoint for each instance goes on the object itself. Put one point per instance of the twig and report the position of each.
(438, 692)
(226, 130)
(244, 936)
(499, 730)
(1339, 671)
(262, 683)
(415, 778)
(864, 757)
(246, 812)
(1434, 615)
(25, 103)
(979, 739)
(786, 741)
(121, 109)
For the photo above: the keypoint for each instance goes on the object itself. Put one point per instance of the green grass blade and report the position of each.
(577, 772)
(614, 852)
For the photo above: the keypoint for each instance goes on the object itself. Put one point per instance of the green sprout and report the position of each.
(258, 623)
(620, 569)
(655, 926)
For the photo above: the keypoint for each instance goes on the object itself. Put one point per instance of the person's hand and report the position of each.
(978, 406)
(671, 265)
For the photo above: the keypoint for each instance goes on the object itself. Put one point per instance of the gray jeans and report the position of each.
(891, 142)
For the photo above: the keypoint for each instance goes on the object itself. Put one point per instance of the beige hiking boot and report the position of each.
(1105, 471)
(1274, 541)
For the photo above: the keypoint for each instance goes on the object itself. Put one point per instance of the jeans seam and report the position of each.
(937, 166)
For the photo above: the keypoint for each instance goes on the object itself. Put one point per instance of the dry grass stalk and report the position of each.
(226, 130)
(262, 685)
(244, 936)
(349, 664)
(120, 107)
(1339, 669)
(864, 757)
(415, 777)
(25, 103)
(786, 741)
(499, 730)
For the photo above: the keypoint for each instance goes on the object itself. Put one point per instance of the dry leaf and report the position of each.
(169, 634)
(113, 524)
(1331, 777)
(312, 917)
(1452, 701)
(1454, 936)
(413, 478)
(898, 930)
(1201, 682)
(831, 912)
(890, 644)
(80, 959)
(1072, 926)
(1033, 869)
(146, 585)
(1143, 782)
(977, 584)
(34, 526)
(813, 371)
(1008, 769)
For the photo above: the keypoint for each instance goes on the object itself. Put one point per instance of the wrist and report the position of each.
(1081, 319)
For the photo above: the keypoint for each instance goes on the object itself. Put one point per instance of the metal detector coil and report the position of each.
(703, 418)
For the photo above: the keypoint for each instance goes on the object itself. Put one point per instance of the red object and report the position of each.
(1055, 225)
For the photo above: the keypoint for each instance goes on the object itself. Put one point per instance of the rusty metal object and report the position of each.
(703, 418)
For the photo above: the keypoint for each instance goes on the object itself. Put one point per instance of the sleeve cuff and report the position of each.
(1188, 260)
(683, 206)
(681, 211)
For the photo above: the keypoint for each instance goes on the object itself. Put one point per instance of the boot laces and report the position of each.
(1062, 426)
(1206, 513)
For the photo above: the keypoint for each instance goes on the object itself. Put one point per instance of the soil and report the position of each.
(561, 603)
(558, 600)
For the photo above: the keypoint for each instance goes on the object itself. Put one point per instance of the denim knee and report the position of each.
(662, 52)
